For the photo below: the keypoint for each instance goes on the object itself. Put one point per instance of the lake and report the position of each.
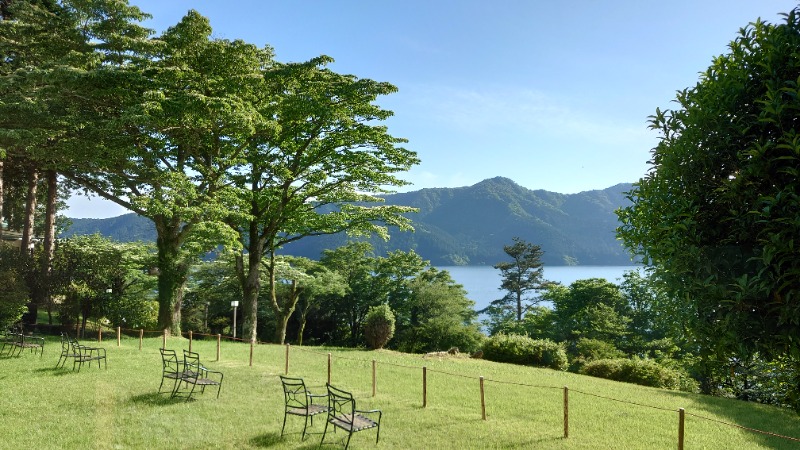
(482, 283)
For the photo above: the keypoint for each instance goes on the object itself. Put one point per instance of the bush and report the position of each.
(439, 333)
(638, 371)
(14, 295)
(519, 349)
(588, 350)
(379, 326)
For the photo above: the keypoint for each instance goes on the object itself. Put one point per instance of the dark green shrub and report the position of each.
(588, 350)
(519, 349)
(379, 326)
(638, 371)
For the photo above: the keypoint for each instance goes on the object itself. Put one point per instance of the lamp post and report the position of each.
(235, 304)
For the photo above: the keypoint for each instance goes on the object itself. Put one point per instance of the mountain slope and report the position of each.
(467, 225)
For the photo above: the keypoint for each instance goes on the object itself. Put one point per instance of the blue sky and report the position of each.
(554, 95)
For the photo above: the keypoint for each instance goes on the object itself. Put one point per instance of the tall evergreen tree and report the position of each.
(521, 277)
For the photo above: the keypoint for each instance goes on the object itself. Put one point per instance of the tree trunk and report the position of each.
(251, 285)
(30, 213)
(49, 241)
(172, 275)
(282, 314)
(302, 327)
(2, 196)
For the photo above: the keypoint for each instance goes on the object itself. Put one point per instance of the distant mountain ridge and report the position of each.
(465, 226)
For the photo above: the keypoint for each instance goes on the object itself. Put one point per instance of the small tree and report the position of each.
(379, 326)
(521, 276)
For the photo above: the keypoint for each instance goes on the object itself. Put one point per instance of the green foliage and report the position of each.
(356, 264)
(14, 293)
(587, 350)
(521, 276)
(638, 371)
(717, 215)
(379, 326)
(592, 308)
(99, 278)
(438, 316)
(518, 349)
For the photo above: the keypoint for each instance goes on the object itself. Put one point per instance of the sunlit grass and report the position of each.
(118, 408)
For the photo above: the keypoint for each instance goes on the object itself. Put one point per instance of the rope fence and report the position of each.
(373, 364)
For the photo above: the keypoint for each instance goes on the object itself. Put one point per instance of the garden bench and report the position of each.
(342, 413)
(298, 401)
(196, 374)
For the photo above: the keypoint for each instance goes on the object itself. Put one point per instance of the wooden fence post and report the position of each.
(424, 386)
(286, 370)
(329, 368)
(566, 412)
(251, 353)
(99, 332)
(483, 402)
(141, 336)
(190, 340)
(164, 340)
(681, 416)
(219, 340)
(374, 382)
(118, 336)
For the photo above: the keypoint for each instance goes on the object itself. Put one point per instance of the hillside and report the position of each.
(466, 225)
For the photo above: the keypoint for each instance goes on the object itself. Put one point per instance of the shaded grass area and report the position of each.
(119, 408)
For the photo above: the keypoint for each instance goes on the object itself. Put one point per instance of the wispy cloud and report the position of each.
(524, 110)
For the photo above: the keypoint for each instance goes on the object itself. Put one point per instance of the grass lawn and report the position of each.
(119, 408)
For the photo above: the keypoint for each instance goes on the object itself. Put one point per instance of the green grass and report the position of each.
(119, 408)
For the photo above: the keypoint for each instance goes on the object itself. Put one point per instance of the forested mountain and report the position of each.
(466, 225)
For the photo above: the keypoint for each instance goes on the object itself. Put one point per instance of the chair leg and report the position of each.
(349, 435)
(284, 423)
(305, 425)
(191, 392)
(324, 432)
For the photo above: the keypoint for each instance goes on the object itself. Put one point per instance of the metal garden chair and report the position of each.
(342, 413)
(196, 374)
(171, 368)
(298, 401)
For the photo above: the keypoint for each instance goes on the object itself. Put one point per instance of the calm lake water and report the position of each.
(482, 283)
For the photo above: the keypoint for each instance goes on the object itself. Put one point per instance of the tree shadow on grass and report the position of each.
(156, 399)
(57, 371)
(274, 439)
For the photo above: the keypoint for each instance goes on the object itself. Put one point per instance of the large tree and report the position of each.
(717, 217)
(167, 134)
(49, 47)
(317, 162)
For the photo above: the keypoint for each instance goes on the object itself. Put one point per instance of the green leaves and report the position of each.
(717, 215)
